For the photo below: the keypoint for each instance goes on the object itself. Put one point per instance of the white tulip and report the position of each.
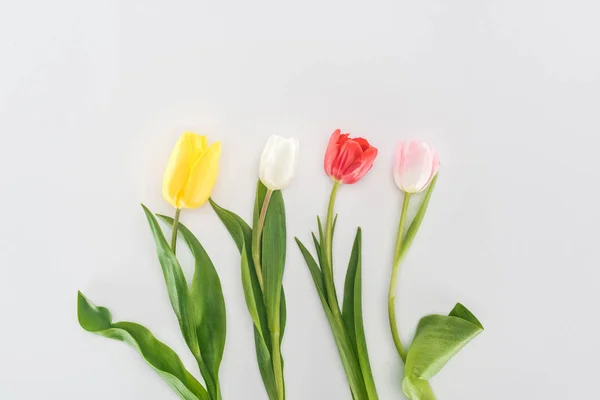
(278, 162)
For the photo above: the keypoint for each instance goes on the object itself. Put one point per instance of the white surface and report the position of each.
(94, 94)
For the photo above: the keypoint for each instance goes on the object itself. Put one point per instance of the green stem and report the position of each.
(329, 283)
(394, 280)
(256, 238)
(276, 351)
(343, 341)
(175, 227)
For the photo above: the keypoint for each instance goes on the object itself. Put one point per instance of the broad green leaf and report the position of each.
(207, 310)
(355, 307)
(249, 291)
(437, 340)
(175, 280)
(242, 235)
(236, 226)
(158, 355)
(273, 256)
(261, 192)
(416, 222)
(315, 272)
(417, 389)
(265, 364)
(347, 353)
(282, 315)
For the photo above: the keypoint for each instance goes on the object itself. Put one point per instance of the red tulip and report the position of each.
(348, 159)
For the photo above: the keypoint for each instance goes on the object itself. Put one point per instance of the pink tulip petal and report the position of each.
(398, 161)
(416, 168)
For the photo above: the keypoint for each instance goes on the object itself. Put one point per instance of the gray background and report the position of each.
(93, 96)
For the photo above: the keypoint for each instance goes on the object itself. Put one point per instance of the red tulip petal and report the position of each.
(360, 167)
(364, 143)
(349, 152)
(343, 138)
(331, 152)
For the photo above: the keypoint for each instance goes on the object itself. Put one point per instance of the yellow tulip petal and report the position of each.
(198, 144)
(202, 178)
(178, 171)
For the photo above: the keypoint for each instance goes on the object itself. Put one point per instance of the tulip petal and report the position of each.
(435, 167)
(278, 162)
(198, 144)
(202, 178)
(331, 152)
(359, 168)
(398, 161)
(349, 152)
(178, 170)
(364, 143)
(416, 167)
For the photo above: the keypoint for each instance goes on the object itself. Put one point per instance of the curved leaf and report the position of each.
(352, 314)
(437, 340)
(241, 233)
(265, 364)
(207, 310)
(411, 232)
(158, 355)
(273, 256)
(175, 280)
(343, 342)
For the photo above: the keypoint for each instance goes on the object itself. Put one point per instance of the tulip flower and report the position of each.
(191, 174)
(348, 159)
(415, 166)
(278, 162)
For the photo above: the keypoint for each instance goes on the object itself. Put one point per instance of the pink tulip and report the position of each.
(415, 166)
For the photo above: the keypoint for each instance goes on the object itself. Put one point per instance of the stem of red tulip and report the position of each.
(256, 238)
(175, 227)
(329, 284)
(394, 280)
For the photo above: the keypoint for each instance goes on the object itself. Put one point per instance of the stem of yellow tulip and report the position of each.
(256, 238)
(394, 280)
(329, 284)
(175, 227)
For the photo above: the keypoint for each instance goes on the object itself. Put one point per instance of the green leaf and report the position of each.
(158, 355)
(282, 315)
(242, 236)
(352, 314)
(207, 310)
(175, 280)
(340, 334)
(417, 389)
(437, 340)
(249, 291)
(315, 272)
(273, 256)
(265, 364)
(261, 193)
(411, 232)
(320, 225)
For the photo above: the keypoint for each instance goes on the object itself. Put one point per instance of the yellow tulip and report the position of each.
(192, 171)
